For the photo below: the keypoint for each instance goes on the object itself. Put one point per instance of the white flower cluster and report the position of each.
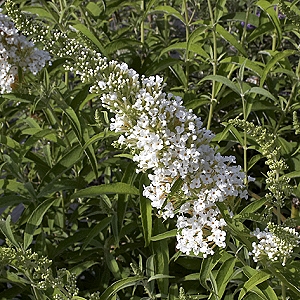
(171, 141)
(188, 176)
(17, 52)
(276, 243)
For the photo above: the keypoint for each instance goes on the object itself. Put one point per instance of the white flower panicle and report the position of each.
(276, 243)
(17, 52)
(166, 139)
(171, 141)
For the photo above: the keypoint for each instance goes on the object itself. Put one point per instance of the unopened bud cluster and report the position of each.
(275, 243)
(37, 271)
(17, 55)
(277, 184)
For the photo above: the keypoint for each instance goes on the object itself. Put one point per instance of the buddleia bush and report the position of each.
(149, 149)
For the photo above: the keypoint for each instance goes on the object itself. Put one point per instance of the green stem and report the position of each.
(284, 112)
(214, 63)
(278, 215)
(187, 36)
(245, 25)
(274, 37)
(60, 125)
(166, 27)
(278, 205)
(142, 23)
(283, 291)
(146, 287)
(37, 294)
(245, 138)
(67, 79)
(218, 98)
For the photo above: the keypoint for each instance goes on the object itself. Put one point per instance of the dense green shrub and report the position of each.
(81, 137)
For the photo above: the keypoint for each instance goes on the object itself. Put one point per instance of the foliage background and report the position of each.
(76, 200)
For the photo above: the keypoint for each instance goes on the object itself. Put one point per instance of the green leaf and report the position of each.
(253, 160)
(268, 8)
(119, 285)
(277, 57)
(61, 185)
(196, 48)
(35, 220)
(223, 80)
(165, 235)
(146, 211)
(95, 231)
(65, 163)
(9, 142)
(254, 206)
(235, 227)
(69, 241)
(257, 278)
(192, 277)
(196, 35)
(260, 31)
(119, 44)
(80, 97)
(161, 252)
(170, 11)
(85, 31)
(241, 17)
(236, 134)
(12, 200)
(113, 188)
(40, 11)
(90, 152)
(214, 287)
(12, 185)
(161, 65)
(231, 39)
(262, 290)
(38, 135)
(99, 137)
(6, 230)
(76, 125)
(112, 263)
(255, 67)
(78, 269)
(180, 74)
(173, 292)
(159, 276)
(261, 91)
(206, 267)
(288, 274)
(224, 274)
(175, 46)
(94, 9)
(219, 9)
(150, 270)
(294, 174)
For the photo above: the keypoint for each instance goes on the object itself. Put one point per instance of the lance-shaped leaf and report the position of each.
(119, 285)
(113, 188)
(6, 230)
(35, 220)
